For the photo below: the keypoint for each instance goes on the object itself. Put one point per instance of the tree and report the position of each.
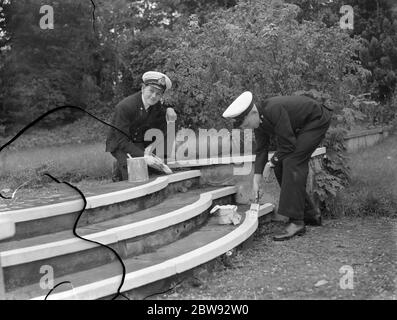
(376, 22)
(46, 68)
(259, 47)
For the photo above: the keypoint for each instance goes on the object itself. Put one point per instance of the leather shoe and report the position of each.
(291, 231)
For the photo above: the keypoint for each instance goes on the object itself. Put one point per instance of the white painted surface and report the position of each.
(113, 235)
(7, 228)
(107, 287)
(265, 209)
(99, 200)
(227, 160)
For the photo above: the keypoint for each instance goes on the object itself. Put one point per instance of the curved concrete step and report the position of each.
(130, 235)
(111, 201)
(234, 159)
(205, 244)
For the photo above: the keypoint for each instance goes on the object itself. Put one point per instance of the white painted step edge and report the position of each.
(236, 159)
(113, 235)
(108, 287)
(7, 229)
(46, 211)
(265, 209)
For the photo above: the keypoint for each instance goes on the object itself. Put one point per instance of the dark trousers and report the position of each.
(292, 173)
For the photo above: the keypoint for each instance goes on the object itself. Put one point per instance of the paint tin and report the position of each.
(137, 169)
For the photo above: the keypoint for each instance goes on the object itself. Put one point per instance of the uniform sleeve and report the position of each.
(122, 122)
(285, 134)
(262, 150)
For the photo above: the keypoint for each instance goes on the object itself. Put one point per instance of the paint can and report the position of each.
(137, 169)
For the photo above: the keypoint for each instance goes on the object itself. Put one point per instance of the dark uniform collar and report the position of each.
(265, 124)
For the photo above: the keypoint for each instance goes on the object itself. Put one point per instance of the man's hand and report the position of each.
(171, 116)
(266, 172)
(255, 185)
(149, 149)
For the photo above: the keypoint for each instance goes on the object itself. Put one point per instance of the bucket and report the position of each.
(137, 169)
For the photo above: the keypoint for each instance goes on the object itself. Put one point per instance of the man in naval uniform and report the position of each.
(299, 123)
(135, 115)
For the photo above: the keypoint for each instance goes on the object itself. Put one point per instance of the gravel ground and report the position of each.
(307, 267)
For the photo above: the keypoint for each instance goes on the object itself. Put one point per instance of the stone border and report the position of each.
(113, 235)
(46, 211)
(7, 230)
(366, 138)
(165, 269)
(367, 133)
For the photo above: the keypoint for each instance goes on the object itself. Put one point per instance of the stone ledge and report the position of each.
(168, 268)
(96, 201)
(227, 160)
(364, 133)
(113, 235)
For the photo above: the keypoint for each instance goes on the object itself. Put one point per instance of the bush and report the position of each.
(258, 47)
(336, 171)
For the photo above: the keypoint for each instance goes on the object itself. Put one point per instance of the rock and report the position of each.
(321, 283)
(195, 282)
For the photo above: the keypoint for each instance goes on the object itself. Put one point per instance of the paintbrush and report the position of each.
(255, 206)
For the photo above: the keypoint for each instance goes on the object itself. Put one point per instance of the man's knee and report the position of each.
(295, 168)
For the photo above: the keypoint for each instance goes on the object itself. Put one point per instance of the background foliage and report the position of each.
(212, 50)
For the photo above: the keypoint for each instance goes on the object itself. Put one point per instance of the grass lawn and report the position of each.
(70, 162)
(373, 187)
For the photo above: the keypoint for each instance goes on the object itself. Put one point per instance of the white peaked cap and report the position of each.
(239, 105)
(157, 79)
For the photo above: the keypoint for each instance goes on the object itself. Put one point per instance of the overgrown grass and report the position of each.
(373, 186)
(70, 162)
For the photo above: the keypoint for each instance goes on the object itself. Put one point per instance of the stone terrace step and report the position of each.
(205, 244)
(129, 235)
(108, 202)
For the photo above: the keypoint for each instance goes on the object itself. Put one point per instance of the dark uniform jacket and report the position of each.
(131, 117)
(284, 117)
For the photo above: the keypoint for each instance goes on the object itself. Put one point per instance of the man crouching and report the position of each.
(135, 115)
